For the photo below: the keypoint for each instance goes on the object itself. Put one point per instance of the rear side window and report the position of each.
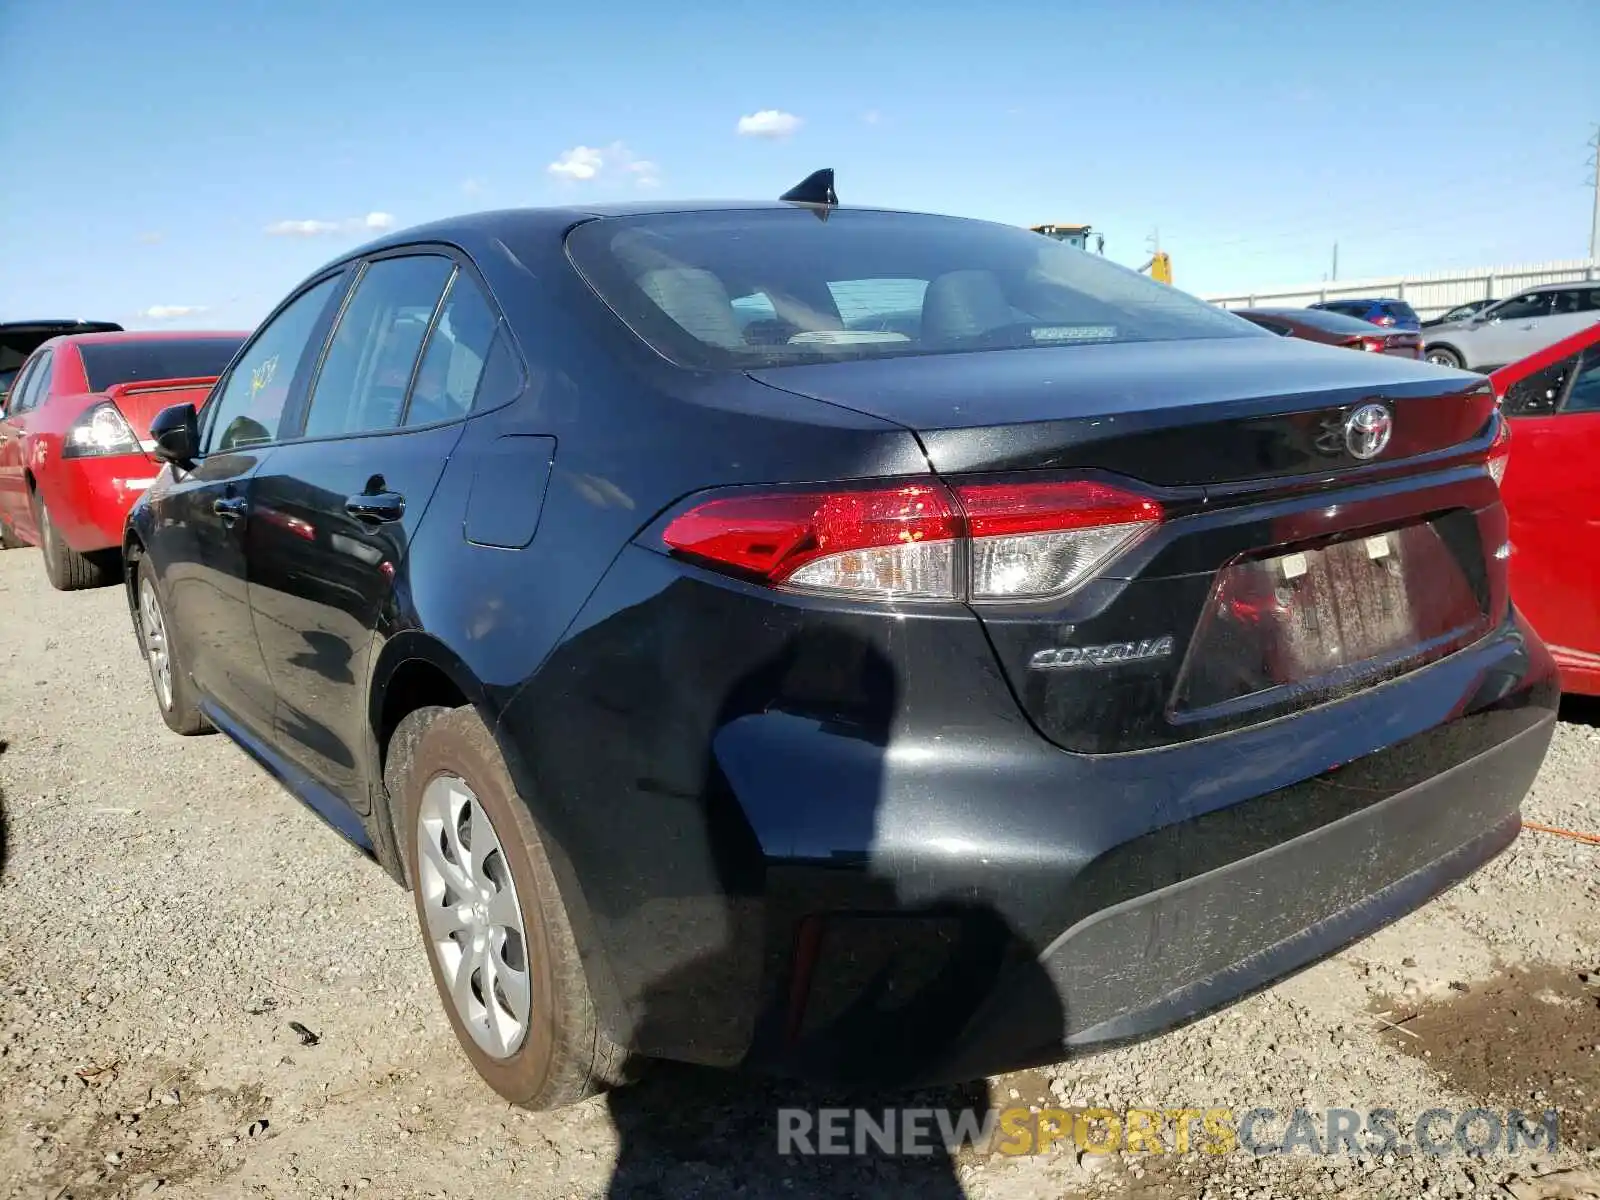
(1585, 393)
(249, 409)
(459, 349)
(772, 287)
(1576, 300)
(1349, 308)
(107, 364)
(367, 372)
(1539, 393)
(37, 386)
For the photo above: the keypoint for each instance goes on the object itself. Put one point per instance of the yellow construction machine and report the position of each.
(1159, 266)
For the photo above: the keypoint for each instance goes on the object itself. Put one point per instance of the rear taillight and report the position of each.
(101, 430)
(1374, 344)
(985, 542)
(1383, 321)
(1499, 452)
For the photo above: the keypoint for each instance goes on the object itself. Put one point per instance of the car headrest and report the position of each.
(962, 304)
(696, 300)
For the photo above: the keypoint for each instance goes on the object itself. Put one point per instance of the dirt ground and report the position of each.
(204, 992)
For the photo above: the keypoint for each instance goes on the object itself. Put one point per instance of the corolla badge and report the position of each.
(1066, 658)
(1367, 430)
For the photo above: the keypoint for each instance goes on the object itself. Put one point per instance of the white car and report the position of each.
(1515, 327)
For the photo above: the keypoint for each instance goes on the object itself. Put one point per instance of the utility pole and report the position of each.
(1594, 221)
(1335, 275)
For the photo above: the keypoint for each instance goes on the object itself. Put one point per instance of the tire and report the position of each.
(176, 696)
(66, 568)
(1444, 356)
(443, 763)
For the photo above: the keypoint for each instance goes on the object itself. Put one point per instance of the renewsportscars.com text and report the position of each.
(1260, 1131)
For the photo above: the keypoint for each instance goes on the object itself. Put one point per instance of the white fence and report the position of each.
(1430, 295)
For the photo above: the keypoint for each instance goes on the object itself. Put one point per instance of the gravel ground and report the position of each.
(166, 912)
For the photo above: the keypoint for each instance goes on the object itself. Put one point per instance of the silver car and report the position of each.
(1515, 327)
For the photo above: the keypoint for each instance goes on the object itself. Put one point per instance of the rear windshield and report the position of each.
(1350, 308)
(1401, 310)
(775, 287)
(109, 363)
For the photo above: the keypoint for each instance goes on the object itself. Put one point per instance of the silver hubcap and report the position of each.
(155, 641)
(471, 917)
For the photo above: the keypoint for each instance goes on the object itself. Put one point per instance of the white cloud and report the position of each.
(472, 187)
(300, 228)
(583, 163)
(170, 312)
(769, 123)
(373, 222)
(645, 173)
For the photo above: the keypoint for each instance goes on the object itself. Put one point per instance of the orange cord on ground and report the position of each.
(1591, 838)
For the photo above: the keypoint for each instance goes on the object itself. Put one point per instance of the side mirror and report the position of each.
(176, 433)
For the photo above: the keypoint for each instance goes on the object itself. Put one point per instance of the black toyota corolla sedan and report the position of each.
(884, 647)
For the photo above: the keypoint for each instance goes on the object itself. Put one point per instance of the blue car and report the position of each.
(1391, 314)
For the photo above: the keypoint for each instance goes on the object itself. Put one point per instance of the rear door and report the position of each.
(15, 447)
(202, 516)
(12, 423)
(1552, 491)
(334, 512)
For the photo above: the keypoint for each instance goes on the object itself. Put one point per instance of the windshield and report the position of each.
(774, 287)
(108, 364)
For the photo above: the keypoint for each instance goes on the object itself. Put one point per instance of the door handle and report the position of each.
(375, 508)
(229, 508)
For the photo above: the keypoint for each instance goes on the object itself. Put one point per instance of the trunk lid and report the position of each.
(140, 402)
(1286, 570)
(1180, 413)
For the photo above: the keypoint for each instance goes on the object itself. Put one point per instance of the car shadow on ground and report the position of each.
(1581, 710)
(5, 829)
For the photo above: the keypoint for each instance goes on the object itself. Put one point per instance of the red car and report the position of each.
(74, 449)
(1335, 329)
(1552, 492)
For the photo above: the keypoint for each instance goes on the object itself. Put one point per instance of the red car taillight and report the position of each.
(993, 541)
(1374, 344)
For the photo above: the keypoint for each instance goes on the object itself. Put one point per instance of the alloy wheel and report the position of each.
(155, 641)
(473, 922)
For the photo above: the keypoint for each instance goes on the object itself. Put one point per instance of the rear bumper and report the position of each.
(1165, 958)
(1580, 670)
(89, 498)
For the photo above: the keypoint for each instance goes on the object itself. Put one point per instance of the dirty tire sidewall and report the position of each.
(184, 715)
(554, 1065)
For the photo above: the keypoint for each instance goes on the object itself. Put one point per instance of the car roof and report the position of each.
(150, 335)
(520, 223)
(64, 324)
(1555, 287)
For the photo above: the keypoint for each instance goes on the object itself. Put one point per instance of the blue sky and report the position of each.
(171, 155)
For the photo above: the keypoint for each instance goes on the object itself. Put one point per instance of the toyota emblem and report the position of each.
(1367, 430)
